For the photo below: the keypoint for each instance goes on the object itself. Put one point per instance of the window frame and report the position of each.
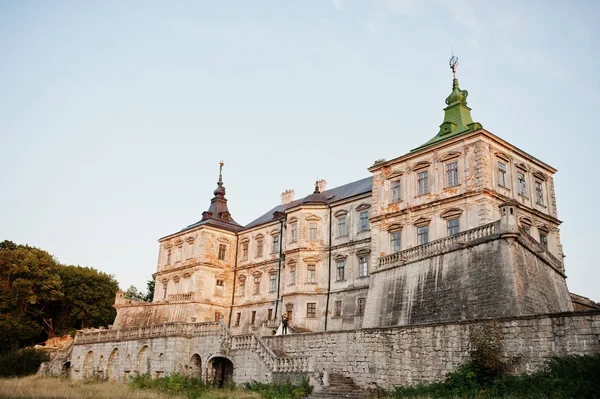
(522, 183)
(260, 247)
(361, 264)
(311, 273)
(311, 310)
(360, 306)
(337, 308)
(313, 232)
(341, 226)
(294, 231)
(423, 182)
(292, 275)
(395, 191)
(222, 251)
(276, 243)
(256, 290)
(450, 228)
(245, 250)
(422, 231)
(539, 192)
(452, 176)
(363, 222)
(395, 234)
(502, 173)
(272, 282)
(340, 270)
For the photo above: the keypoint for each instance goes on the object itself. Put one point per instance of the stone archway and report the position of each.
(65, 371)
(142, 363)
(219, 371)
(112, 369)
(195, 366)
(88, 365)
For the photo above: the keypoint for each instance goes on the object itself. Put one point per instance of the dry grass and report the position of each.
(55, 388)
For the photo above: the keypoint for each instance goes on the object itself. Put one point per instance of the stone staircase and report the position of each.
(340, 387)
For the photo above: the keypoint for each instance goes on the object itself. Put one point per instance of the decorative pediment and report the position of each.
(187, 275)
(242, 277)
(340, 213)
(178, 241)
(421, 165)
(449, 156)
(311, 259)
(293, 219)
(292, 262)
(539, 176)
(339, 257)
(363, 207)
(395, 174)
(394, 227)
(223, 240)
(176, 279)
(543, 228)
(168, 245)
(452, 213)
(257, 273)
(522, 166)
(275, 232)
(245, 240)
(525, 221)
(311, 217)
(272, 270)
(259, 236)
(363, 251)
(502, 156)
(422, 221)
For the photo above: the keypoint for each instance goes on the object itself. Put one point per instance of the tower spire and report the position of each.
(457, 115)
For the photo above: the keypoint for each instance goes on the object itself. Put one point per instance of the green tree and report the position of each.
(29, 282)
(88, 299)
(133, 293)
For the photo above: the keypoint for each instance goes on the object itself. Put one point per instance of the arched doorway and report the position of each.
(219, 371)
(65, 372)
(142, 363)
(196, 366)
(112, 372)
(88, 365)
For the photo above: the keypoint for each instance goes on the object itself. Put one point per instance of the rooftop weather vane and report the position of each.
(454, 65)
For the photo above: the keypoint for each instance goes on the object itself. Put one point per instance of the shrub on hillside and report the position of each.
(21, 362)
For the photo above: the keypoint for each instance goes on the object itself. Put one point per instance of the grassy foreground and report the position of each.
(55, 388)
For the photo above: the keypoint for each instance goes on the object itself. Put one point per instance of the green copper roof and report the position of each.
(457, 117)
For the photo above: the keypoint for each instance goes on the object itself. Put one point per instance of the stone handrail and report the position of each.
(156, 330)
(437, 246)
(188, 296)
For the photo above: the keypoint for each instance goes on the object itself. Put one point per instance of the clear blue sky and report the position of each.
(115, 114)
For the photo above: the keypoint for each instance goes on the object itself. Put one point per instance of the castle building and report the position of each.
(324, 260)
(392, 271)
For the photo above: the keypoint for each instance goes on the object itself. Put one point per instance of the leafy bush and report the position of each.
(21, 362)
(280, 391)
(560, 378)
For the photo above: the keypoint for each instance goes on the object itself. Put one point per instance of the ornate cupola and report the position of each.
(316, 197)
(457, 115)
(218, 211)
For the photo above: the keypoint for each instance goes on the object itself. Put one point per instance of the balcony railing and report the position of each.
(188, 296)
(438, 246)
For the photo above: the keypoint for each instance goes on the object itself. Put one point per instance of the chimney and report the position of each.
(322, 185)
(287, 196)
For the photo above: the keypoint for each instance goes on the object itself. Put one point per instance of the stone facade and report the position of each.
(381, 278)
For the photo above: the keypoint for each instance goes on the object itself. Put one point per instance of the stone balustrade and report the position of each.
(188, 296)
(153, 331)
(438, 246)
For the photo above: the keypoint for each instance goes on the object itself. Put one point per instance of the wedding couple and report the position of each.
(283, 326)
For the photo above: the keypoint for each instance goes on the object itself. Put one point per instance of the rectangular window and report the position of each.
(165, 290)
(222, 248)
(452, 174)
(395, 241)
(312, 232)
(179, 253)
(244, 251)
(423, 183)
(253, 319)
(526, 228)
(238, 317)
(342, 226)
(169, 257)
(423, 235)
(363, 263)
(256, 285)
(311, 310)
(259, 248)
(337, 308)
(340, 268)
(272, 282)
(292, 275)
(294, 232)
(453, 227)
(361, 306)
(522, 184)
(501, 174)
(218, 316)
(220, 283)
(242, 288)
(269, 314)
(544, 240)
(276, 244)
(363, 221)
(539, 193)
(190, 250)
(310, 274)
(395, 187)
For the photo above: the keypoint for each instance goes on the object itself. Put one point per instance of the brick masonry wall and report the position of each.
(387, 357)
